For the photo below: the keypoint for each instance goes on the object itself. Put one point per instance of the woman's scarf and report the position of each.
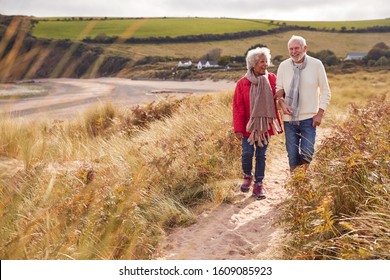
(262, 110)
(292, 98)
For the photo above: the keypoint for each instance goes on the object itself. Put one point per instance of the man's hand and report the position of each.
(285, 109)
(318, 118)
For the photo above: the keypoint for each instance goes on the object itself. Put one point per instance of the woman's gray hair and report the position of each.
(295, 38)
(253, 56)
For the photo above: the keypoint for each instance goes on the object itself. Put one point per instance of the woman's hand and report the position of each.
(239, 135)
(279, 94)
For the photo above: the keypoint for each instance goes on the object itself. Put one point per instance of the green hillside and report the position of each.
(340, 25)
(144, 27)
(159, 51)
(79, 28)
(339, 43)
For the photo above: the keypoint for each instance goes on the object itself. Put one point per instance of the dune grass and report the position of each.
(107, 186)
(356, 88)
(339, 208)
(111, 184)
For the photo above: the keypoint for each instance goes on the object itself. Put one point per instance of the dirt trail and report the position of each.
(242, 230)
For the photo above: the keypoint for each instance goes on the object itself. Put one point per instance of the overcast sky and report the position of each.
(322, 10)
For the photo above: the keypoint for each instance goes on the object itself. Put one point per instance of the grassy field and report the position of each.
(339, 43)
(338, 25)
(145, 27)
(170, 54)
(110, 184)
(173, 27)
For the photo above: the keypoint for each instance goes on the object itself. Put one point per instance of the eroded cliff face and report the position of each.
(23, 56)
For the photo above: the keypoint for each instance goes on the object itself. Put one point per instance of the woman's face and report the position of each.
(261, 65)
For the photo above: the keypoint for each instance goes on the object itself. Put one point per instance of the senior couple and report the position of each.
(302, 92)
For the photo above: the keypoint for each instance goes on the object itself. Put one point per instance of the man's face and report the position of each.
(296, 51)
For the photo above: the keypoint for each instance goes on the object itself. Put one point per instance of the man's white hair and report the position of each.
(253, 55)
(295, 38)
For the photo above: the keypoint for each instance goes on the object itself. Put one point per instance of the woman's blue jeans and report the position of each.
(300, 139)
(248, 151)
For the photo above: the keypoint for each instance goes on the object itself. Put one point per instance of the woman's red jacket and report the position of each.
(241, 105)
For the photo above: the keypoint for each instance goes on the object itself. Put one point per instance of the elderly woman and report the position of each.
(255, 117)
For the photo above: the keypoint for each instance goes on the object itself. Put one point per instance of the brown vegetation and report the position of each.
(110, 184)
(339, 209)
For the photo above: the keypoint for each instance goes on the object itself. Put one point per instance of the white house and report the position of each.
(187, 64)
(206, 64)
(355, 56)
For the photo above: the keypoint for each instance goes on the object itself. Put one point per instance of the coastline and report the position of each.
(67, 98)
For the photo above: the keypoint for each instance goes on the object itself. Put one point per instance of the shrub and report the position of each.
(382, 61)
(326, 56)
(98, 120)
(338, 209)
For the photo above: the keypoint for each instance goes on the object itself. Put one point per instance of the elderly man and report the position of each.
(302, 80)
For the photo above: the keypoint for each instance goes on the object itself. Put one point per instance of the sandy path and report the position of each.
(245, 229)
(242, 230)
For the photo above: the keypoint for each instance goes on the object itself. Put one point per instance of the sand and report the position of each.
(246, 229)
(243, 230)
(68, 98)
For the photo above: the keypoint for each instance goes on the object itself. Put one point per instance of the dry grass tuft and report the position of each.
(108, 185)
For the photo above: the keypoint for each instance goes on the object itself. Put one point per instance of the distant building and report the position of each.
(187, 64)
(207, 64)
(355, 56)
